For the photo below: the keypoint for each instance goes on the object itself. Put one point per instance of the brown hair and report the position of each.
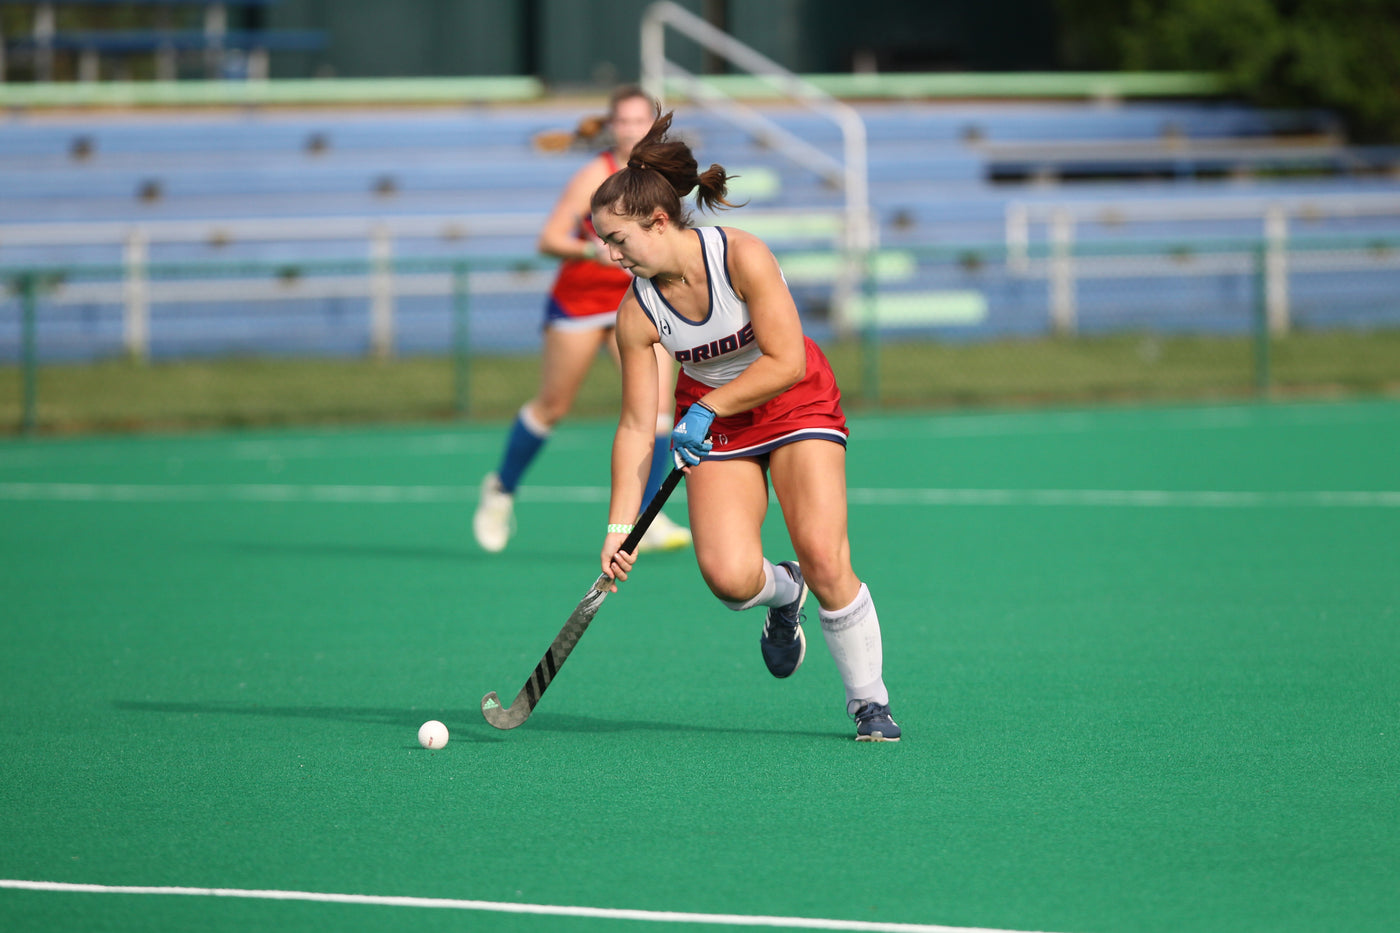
(658, 174)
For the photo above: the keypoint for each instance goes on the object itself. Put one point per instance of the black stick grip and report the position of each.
(650, 512)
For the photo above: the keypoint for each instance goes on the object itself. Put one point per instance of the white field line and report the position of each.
(1130, 498)
(392, 495)
(1109, 420)
(601, 913)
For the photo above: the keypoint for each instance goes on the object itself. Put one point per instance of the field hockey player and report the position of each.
(579, 317)
(756, 401)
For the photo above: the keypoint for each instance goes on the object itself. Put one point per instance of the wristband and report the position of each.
(616, 529)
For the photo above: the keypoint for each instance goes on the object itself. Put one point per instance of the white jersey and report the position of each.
(720, 347)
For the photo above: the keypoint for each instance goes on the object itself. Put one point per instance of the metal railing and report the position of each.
(1275, 218)
(376, 236)
(849, 174)
(457, 281)
(392, 248)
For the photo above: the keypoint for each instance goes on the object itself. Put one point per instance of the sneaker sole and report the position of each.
(875, 737)
(492, 547)
(802, 654)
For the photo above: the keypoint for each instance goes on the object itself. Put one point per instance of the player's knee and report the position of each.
(733, 597)
(549, 410)
(734, 589)
(827, 574)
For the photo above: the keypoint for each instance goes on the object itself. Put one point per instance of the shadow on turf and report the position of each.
(465, 724)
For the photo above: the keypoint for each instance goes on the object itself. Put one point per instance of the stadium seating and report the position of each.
(941, 175)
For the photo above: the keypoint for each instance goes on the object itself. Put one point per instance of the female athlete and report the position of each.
(755, 401)
(579, 319)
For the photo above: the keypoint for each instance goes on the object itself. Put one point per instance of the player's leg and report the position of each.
(569, 352)
(568, 355)
(728, 501)
(809, 479)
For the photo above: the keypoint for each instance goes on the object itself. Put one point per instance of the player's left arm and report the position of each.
(636, 339)
(754, 271)
(559, 236)
(636, 428)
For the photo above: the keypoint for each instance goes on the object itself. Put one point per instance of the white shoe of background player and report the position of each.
(494, 521)
(664, 535)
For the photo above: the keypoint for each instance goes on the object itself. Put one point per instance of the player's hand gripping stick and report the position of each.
(690, 438)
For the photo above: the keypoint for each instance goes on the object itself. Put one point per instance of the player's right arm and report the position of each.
(559, 237)
(636, 428)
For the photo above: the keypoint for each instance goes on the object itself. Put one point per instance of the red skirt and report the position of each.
(810, 409)
(583, 288)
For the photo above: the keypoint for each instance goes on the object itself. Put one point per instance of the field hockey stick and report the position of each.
(508, 717)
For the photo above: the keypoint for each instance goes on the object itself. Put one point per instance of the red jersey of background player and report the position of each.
(585, 287)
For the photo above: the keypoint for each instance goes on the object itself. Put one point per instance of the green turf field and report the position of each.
(1147, 663)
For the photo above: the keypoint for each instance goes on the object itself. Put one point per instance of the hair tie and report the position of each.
(640, 166)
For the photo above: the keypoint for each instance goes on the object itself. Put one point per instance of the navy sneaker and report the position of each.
(873, 722)
(784, 646)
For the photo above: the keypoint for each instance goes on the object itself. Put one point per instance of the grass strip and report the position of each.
(121, 395)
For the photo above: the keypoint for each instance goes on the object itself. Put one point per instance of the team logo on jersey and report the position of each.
(717, 348)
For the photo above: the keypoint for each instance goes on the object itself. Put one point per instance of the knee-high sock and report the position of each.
(853, 638)
(779, 589)
(527, 436)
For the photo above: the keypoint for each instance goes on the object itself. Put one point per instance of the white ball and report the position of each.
(432, 734)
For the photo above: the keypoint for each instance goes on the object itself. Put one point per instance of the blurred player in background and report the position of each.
(580, 316)
(756, 401)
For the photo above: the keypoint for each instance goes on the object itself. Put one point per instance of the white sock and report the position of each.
(853, 638)
(534, 425)
(779, 589)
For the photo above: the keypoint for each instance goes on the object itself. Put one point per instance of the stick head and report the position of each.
(503, 717)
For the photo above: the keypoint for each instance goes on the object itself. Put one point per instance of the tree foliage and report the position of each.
(1343, 55)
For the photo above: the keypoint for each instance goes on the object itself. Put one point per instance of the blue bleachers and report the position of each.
(919, 159)
(932, 172)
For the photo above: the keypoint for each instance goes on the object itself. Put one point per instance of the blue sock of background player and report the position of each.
(522, 446)
(525, 443)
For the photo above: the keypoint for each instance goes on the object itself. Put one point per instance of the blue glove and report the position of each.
(688, 439)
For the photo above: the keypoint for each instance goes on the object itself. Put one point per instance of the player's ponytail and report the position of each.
(712, 188)
(659, 172)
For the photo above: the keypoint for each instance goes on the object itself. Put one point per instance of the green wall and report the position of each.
(596, 43)
(396, 38)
